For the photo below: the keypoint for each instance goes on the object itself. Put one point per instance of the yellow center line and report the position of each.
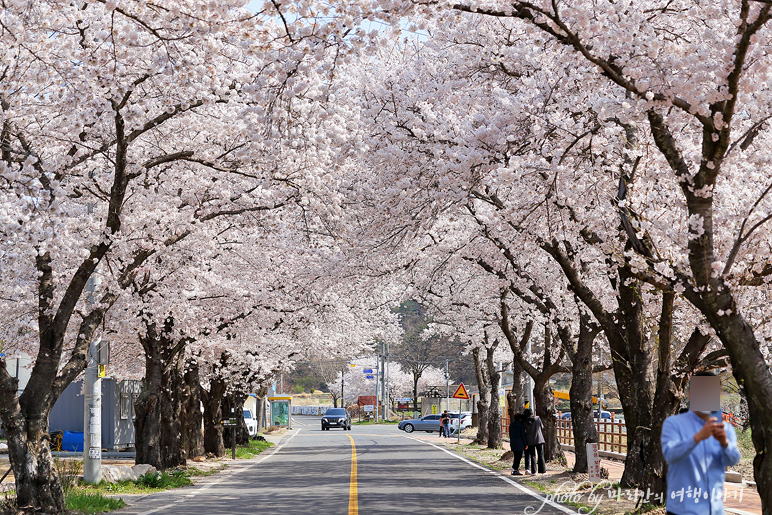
(353, 503)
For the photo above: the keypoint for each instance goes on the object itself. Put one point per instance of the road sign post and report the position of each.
(232, 423)
(460, 394)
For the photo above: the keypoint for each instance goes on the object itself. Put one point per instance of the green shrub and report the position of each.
(164, 480)
(68, 471)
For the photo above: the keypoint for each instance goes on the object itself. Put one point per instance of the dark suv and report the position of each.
(336, 417)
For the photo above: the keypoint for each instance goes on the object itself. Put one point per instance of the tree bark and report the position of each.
(516, 396)
(194, 422)
(261, 393)
(38, 488)
(544, 400)
(416, 377)
(494, 413)
(213, 428)
(580, 393)
(484, 389)
(158, 409)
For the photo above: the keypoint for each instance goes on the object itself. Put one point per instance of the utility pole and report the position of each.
(342, 382)
(388, 397)
(377, 389)
(92, 403)
(447, 385)
(384, 398)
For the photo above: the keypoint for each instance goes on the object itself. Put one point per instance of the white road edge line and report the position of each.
(224, 475)
(517, 485)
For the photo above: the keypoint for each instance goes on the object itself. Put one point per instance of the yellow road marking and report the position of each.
(353, 503)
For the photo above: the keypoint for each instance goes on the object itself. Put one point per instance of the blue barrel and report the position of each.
(72, 441)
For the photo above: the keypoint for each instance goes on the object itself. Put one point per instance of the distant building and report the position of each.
(117, 412)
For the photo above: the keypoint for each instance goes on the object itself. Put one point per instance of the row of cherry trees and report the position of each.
(252, 185)
(175, 157)
(584, 174)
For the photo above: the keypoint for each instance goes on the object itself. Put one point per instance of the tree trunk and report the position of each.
(752, 373)
(494, 413)
(261, 393)
(483, 403)
(580, 394)
(38, 489)
(158, 409)
(635, 380)
(544, 400)
(194, 422)
(416, 377)
(516, 396)
(213, 428)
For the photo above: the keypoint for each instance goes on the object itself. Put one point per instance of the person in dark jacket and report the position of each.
(534, 440)
(518, 442)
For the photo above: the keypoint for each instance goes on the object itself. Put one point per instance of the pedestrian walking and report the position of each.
(534, 440)
(518, 441)
(698, 446)
(445, 424)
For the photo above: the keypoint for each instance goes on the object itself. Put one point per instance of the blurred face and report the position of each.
(705, 393)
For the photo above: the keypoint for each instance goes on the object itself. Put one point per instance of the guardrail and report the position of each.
(309, 410)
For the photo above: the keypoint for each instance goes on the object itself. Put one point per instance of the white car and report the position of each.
(466, 420)
(251, 421)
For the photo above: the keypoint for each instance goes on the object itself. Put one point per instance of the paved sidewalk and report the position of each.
(740, 499)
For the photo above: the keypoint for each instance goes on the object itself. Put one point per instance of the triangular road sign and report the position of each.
(461, 392)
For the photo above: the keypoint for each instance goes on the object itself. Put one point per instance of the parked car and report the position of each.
(336, 417)
(566, 415)
(466, 420)
(428, 423)
(251, 421)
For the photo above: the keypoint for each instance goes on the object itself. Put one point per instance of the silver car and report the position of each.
(428, 423)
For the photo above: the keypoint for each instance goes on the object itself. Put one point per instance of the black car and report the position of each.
(336, 417)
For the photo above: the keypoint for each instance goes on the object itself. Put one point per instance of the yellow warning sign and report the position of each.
(461, 392)
(102, 370)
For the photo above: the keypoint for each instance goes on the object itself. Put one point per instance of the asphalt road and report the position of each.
(369, 470)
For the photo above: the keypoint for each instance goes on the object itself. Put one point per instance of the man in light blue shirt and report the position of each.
(697, 448)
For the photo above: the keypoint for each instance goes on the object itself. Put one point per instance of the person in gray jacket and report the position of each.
(535, 440)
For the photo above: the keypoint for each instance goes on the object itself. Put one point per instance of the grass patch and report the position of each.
(147, 483)
(87, 502)
(252, 449)
(192, 471)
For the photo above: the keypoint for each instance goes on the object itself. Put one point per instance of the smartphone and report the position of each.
(718, 416)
